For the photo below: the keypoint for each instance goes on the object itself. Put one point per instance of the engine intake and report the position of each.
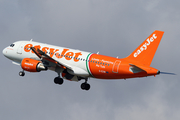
(32, 65)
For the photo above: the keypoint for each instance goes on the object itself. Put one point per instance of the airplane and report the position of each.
(75, 65)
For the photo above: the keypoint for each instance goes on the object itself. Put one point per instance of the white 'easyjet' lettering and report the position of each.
(145, 45)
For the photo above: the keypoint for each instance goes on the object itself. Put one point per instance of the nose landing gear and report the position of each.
(21, 73)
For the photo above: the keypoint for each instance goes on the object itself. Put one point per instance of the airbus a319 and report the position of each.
(75, 65)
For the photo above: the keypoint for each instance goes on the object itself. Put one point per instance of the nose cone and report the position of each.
(4, 52)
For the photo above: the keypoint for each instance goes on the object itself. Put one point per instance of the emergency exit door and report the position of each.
(116, 66)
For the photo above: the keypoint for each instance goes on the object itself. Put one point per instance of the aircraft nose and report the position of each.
(5, 52)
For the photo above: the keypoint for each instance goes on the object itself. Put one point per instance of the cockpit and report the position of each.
(12, 45)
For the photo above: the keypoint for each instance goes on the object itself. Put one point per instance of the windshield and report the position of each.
(12, 45)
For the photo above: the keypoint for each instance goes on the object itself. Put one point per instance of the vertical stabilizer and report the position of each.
(145, 52)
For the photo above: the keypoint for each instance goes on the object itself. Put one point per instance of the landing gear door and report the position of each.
(20, 48)
(116, 66)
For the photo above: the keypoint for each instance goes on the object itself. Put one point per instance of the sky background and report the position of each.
(112, 27)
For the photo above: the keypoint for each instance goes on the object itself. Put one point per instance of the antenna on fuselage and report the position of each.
(31, 40)
(97, 53)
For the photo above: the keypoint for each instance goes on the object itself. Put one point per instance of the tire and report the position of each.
(21, 73)
(58, 80)
(85, 86)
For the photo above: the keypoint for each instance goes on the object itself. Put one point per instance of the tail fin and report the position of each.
(145, 52)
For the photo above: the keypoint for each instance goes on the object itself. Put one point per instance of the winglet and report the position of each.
(145, 52)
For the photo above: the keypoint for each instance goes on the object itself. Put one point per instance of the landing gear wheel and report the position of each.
(58, 80)
(21, 73)
(85, 86)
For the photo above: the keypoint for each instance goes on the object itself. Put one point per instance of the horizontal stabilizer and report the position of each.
(135, 69)
(167, 73)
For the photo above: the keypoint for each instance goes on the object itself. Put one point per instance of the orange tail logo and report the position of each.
(145, 52)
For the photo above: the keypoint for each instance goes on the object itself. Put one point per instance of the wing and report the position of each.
(71, 69)
(44, 57)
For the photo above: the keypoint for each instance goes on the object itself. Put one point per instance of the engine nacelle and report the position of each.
(32, 65)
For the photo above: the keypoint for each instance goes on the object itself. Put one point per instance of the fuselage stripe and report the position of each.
(87, 64)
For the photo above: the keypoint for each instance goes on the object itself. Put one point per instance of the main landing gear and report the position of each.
(85, 85)
(58, 80)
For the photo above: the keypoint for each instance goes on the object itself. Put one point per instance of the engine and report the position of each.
(32, 65)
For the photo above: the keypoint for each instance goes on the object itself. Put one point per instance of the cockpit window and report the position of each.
(12, 45)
